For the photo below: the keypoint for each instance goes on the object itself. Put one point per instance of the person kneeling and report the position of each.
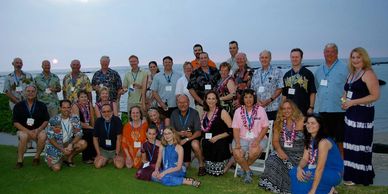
(61, 146)
(107, 138)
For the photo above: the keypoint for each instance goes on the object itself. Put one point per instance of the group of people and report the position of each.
(217, 115)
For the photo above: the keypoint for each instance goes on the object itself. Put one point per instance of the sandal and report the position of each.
(201, 171)
(195, 183)
(69, 164)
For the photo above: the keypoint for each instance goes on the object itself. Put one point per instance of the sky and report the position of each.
(151, 29)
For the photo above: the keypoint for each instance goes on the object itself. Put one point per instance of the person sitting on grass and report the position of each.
(149, 155)
(107, 138)
(172, 172)
(63, 138)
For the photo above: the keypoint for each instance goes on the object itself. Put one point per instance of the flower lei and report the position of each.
(293, 132)
(244, 114)
(313, 153)
(209, 124)
(85, 111)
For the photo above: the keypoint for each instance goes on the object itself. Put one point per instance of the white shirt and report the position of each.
(181, 88)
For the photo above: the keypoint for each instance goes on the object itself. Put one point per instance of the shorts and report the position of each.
(334, 125)
(108, 154)
(245, 144)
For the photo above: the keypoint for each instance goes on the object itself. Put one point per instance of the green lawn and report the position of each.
(86, 179)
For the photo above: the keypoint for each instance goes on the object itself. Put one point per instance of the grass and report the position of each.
(86, 179)
(6, 116)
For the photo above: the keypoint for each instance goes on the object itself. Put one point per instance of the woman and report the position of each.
(84, 109)
(361, 90)
(288, 142)
(149, 155)
(134, 135)
(181, 84)
(157, 121)
(226, 88)
(321, 167)
(147, 94)
(104, 99)
(250, 125)
(243, 75)
(170, 157)
(216, 129)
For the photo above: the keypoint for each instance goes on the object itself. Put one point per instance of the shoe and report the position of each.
(201, 171)
(248, 178)
(69, 164)
(88, 161)
(19, 165)
(240, 172)
(349, 183)
(35, 162)
(195, 183)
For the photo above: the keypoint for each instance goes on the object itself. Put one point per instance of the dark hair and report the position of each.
(203, 52)
(297, 50)
(234, 42)
(167, 57)
(107, 104)
(133, 56)
(64, 101)
(198, 45)
(130, 110)
(154, 62)
(320, 134)
(248, 91)
(225, 64)
(205, 105)
(82, 92)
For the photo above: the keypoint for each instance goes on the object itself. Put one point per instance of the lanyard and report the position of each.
(249, 119)
(32, 108)
(66, 127)
(73, 80)
(327, 74)
(186, 119)
(313, 153)
(46, 81)
(354, 77)
(168, 78)
(107, 129)
(149, 154)
(265, 75)
(16, 78)
(135, 77)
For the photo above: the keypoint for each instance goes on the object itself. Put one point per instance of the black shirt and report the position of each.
(101, 128)
(199, 78)
(38, 112)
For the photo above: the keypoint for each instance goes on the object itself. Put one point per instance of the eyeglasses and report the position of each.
(106, 111)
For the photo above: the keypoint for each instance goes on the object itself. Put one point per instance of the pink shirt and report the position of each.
(261, 122)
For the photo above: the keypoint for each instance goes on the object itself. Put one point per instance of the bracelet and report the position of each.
(311, 107)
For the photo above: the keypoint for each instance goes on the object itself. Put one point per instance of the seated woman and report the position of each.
(321, 167)
(84, 109)
(149, 155)
(216, 129)
(250, 125)
(288, 141)
(134, 134)
(170, 157)
(157, 121)
(104, 99)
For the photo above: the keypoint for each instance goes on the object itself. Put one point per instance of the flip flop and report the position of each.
(195, 183)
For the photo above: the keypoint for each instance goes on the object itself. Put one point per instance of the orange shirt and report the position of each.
(196, 64)
(130, 136)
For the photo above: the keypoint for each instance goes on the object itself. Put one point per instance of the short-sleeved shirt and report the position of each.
(190, 121)
(38, 112)
(329, 92)
(181, 88)
(165, 85)
(12, 84)
(199, 78)
(270, 80)
(260, 121)
(42, 83)
(304, 84)
(101, 129)
(111, 79)
(195, 64)
(134, 96)
(72, 85)
(65, 134)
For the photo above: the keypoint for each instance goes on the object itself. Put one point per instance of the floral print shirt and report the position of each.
(111, 79)
(48, 97)
(17, 85)
(72, 85)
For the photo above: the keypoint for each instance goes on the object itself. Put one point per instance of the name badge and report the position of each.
(30, 121)
(312, 166)
(72, 89)
(249, 135)
(288, 144)
(323, 82)
(137, 144)
(208, 87)
(349, 95)
(108, 142)
(291, 91)
(261, 89)
(168, 88)
(208, 135)
(101, 85)
(147, 164)
(48, 91)
(19, 89)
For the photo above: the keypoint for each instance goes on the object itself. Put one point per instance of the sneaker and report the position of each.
(248, 178)
(19, 165)
(35, 162)
(69, 164)
(349, 183)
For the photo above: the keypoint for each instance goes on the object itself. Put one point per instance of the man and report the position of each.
(107, 139)
(267, 82)
(197, 49)
(163, 87)
(329, 79)
(76, 81)
(48, 85)
(202, 80)
(30, 118)
(299, 84)
(233, 50)
(135, 81)
(16, 82)
(63, 138)
(107, 77)
(186, 122)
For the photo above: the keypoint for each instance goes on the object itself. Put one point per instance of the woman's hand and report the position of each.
(300, 174)
(282, 155)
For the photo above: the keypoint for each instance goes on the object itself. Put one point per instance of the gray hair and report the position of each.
(266, 51)
(105, 57)
(331, 45)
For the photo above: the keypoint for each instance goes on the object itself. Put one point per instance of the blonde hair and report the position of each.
(295, 116)
(176, 138)
(103, 88)
(365, 59)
